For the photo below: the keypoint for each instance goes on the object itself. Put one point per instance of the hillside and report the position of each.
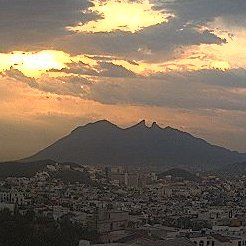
(21, 169)
(236, 169)
(179, 173)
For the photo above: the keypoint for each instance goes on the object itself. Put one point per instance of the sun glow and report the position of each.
(220, 65)
(34, 64)
(122, 15)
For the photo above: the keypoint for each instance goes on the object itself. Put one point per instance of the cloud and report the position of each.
(193, 25)
(66, 86)
(200, 11)
(156, 43)
(102, 69)
(19, 76)
(35, 24)
(125, 15)
(43, 26)
(187, 90)
(111, 70)
(235, 78)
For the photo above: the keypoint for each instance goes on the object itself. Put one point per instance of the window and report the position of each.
(201, 243)
(213, 243)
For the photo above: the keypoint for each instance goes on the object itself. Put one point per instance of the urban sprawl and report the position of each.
(126, 207)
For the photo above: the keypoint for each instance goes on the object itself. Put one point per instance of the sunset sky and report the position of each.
(65, 63)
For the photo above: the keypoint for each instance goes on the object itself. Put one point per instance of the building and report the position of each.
(12, 197)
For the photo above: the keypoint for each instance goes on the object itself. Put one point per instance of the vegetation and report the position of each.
(72, 176)
(18, 230)
(29, 169)
(22, 169)
(179, 173)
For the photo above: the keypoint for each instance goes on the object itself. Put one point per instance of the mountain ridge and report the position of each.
(105, 143)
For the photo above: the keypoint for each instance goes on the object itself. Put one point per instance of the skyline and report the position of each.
(64, 63)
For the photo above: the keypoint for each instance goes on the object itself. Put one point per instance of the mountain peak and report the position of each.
(139, 125)
(102, 123)
(155, 126)
(97, 124)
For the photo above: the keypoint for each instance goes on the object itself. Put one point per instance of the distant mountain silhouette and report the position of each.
(107, 144)
(179, 173)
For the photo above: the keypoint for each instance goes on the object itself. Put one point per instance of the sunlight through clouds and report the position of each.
(33, 64)
(122, 15)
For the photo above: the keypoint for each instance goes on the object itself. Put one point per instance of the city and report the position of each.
(134, 207)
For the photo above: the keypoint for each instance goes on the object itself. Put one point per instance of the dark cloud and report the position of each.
(187, 90)
(111, 70)
(103, 69)
(72, 86)
(79, 69)
(16, 74)
(235, 78)
(202, 11)
(35, 24)
(156, 43)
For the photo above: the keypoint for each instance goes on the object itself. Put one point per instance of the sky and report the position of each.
(64, 63)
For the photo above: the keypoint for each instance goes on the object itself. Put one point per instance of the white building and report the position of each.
(12, 197)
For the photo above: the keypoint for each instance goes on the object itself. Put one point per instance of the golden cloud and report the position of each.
(122, 15)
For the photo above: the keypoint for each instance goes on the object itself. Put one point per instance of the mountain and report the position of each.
(28, 170)
(179, 173)
(107, 144)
